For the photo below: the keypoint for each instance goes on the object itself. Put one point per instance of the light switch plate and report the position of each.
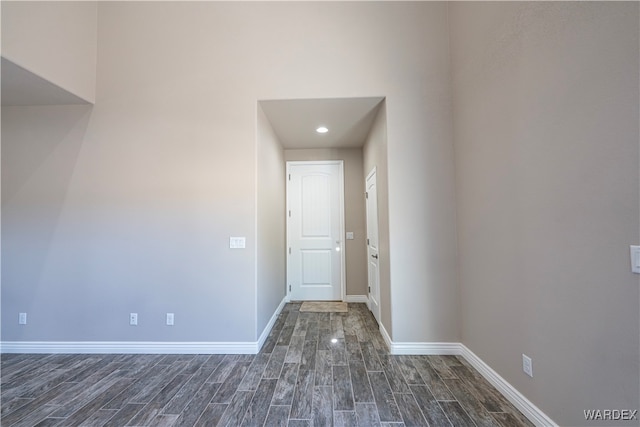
(527, 365)
(349, 235)
(237, 242)
(635, 258)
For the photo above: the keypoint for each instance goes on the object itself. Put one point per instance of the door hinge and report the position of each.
(289, 177)
(289, 251)
(366, 195)
(367, 241)
(289, 213)
(369, 289)
(289, 288)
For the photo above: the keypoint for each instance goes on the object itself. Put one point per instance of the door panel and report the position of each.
(372, 244)
(314, 230)
(316, 267)
(315, 191)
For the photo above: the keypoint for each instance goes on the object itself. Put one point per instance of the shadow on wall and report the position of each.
(40, 148)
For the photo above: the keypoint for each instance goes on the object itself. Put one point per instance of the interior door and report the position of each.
(372, 244)
(315, 226)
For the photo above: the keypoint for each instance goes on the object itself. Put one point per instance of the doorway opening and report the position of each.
(354, 135)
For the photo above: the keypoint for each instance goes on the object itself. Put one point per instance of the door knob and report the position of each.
(374, 256)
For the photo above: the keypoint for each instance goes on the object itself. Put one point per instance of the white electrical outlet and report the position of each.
(635, 259)
(527, 365)
(170, 319)
(237, 242)
(133, 319)
(22, 318)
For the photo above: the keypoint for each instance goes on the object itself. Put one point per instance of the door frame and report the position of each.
(343, 266)
(376, 294)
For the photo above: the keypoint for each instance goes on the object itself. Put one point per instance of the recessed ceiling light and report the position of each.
(322, 129)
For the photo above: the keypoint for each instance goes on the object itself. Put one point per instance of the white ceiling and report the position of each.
(348, 119)
(22, 87)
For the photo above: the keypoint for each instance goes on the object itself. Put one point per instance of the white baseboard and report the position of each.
(356, 298)
(272, 321)
(524, 405)
(141, 347)
(420, 348)
(386, 337)
(128, 347)
(426, 348)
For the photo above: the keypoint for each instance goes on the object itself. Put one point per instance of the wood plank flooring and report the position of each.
(315, 369)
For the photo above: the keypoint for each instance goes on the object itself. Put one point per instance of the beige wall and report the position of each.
(54, 40)
(355, 252)
(422, 230)
(270, 217)
(40, 149)
(166, 170)
(546, 143)
(375, 155)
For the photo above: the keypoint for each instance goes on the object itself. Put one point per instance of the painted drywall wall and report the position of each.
(546, 142)
(166, 169)
(38, 163)
(54, 40)
(92, 232)
(375, 156)
(270, 217)
(355, 250)
(422, 230)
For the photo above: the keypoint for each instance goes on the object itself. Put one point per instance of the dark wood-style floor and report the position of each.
(316, 369)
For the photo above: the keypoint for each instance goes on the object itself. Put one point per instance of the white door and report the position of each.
(315, 226)
(372, 244)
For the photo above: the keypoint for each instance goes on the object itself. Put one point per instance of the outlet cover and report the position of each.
(527, 365)
(237, 242)
(170, 319)
(635, 258)
(22, 318)
(133, 319)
